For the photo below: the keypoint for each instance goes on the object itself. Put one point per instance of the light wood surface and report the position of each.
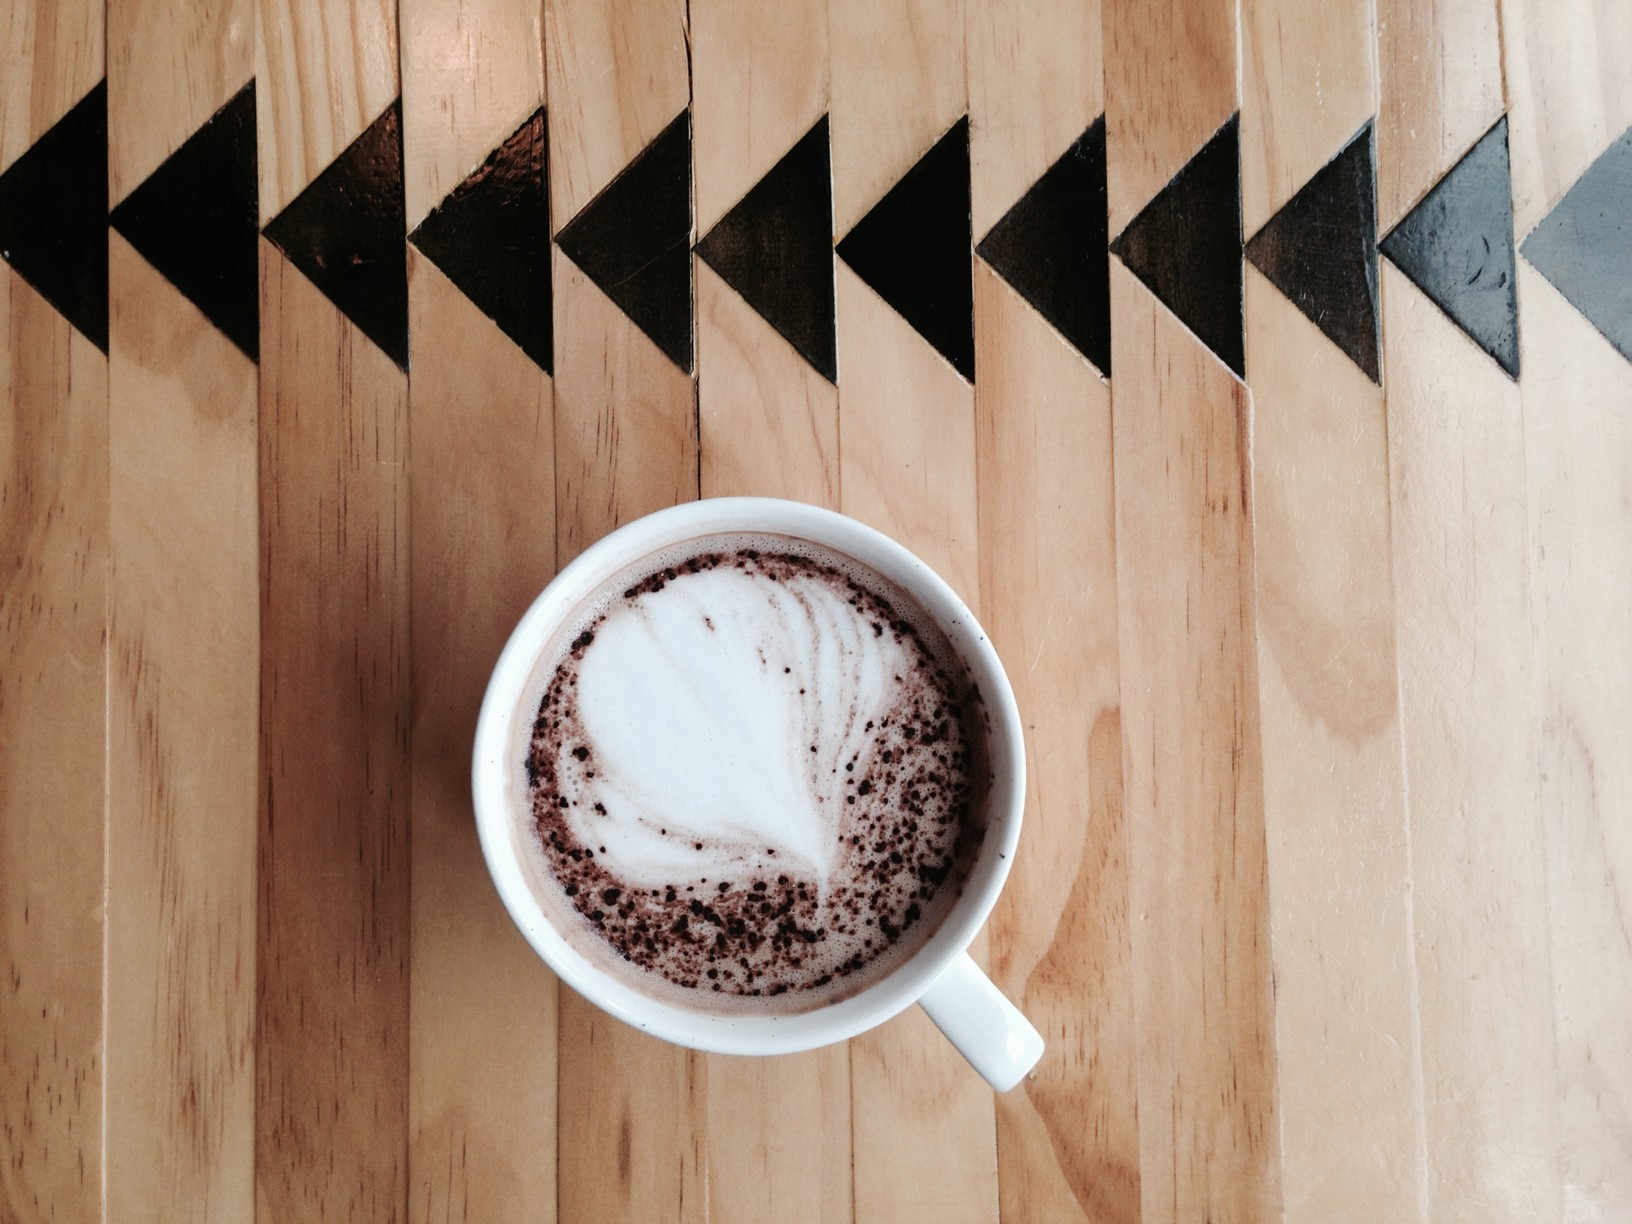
(184, 667)
(1321, 900)
(53, 673)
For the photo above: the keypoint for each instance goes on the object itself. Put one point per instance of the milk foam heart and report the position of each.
(702, 703)
(757, 770)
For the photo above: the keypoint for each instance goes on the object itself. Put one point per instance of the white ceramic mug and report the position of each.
(940, 977)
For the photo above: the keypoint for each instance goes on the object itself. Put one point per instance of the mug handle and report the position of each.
(987, 1029)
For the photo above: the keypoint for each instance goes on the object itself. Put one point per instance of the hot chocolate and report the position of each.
(757, 774)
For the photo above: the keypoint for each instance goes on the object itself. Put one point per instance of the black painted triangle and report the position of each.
(1320, 250)
(775, 248)
(54, 216)
(1051, 247)
(1457, 247)
(346, 233)
(913, 248)
(1186, 246)
(634, 241)
(491, 237)
(196, 217)
(1584, 246)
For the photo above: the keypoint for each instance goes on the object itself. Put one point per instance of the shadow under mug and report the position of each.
(940, 976)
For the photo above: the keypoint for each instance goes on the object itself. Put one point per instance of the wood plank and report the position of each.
(631, 1143)
(323, 73)
(1576, 394)
(1439, 76)
(170, 67)
(50, 58)
(182, 768)
(777, 1129)
(1308, 84)
(632, 1139)
(1035, 84)
(332, 997)
(1170, 83)
(1456, 464)
(1067, 1141)
(184, 625)
(1203, 1000)
(1577, 401)
(53, 669)
(332, 1019)
(925, 1142)
(1564, 106)
(482, 1026)
(482, 1008)
(472, 71)
(618, 74)
(1334, 801)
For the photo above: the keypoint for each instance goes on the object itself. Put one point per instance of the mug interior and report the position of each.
(503, 816)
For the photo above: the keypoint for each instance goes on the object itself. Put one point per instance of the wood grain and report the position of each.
(472, 72)
(925, 1146)
(1456, 467)
(618, 76)
(1568, 93)
(1564, 108)
(1170, 83)
(182, 771)
(777, 1130)
(1577, 408)
(766, 62)
(482, 1031)
(1067, 1141)
(482, 1008)
(332, 997)
(1036, 82)
(1334, 795)
(53, 668)
(323, 72)
(899, 83)
(50, 57)
(769, 423)
(626, 444)
(1208, 1123)
(170, 67)
(1308, 83)
(1439, 76)
(184, 626)
(631, 1144)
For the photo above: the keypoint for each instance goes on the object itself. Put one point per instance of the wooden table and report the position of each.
(1325, 889)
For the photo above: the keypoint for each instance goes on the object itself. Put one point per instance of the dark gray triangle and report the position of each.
(634, 241)
(1320, 250)
(347, 233)
(913, 248)
(54, 216)
(195, 219)
(1457, 247)
(1051, 247)
(775, 248)
(1186, 246)
(491, 237)
(1584, 246)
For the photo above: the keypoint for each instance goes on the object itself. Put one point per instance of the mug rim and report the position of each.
(503, 830)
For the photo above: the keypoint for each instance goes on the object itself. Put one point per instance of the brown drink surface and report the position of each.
(757, 773)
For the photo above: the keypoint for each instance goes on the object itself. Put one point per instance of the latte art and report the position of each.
(755, 773)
